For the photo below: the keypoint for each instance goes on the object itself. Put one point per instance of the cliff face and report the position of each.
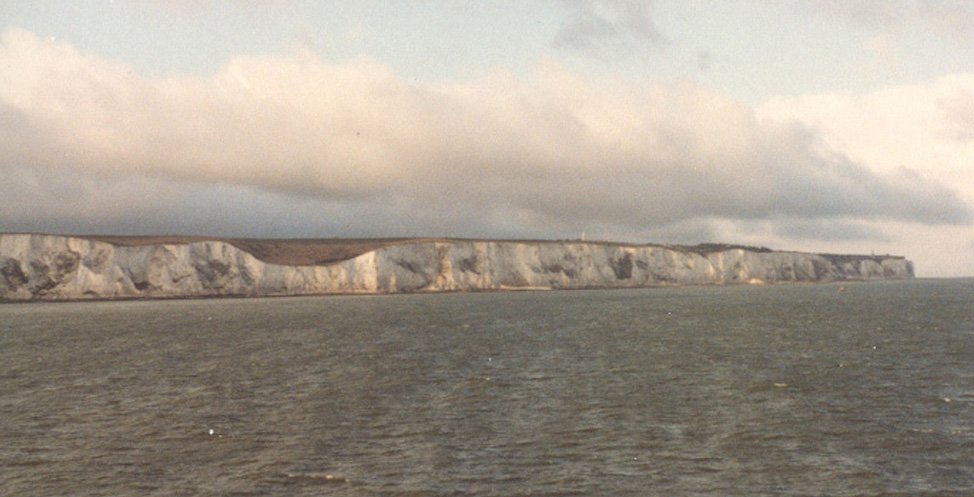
(48, 267)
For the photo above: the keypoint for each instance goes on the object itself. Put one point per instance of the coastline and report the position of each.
(39, 267)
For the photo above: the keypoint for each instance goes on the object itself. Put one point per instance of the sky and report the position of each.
(810, 125)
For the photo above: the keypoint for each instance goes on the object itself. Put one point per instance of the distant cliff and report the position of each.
(49, 267)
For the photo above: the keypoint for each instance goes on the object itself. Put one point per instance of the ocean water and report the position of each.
(795, 390)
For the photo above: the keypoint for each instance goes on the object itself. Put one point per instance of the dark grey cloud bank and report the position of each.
(294, 146)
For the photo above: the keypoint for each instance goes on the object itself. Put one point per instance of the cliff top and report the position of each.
(285, 251)
(308, 251)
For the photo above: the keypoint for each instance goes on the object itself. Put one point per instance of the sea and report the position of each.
(854, 389)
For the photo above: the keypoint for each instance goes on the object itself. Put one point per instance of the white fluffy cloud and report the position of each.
(493, 156)
(925, 127)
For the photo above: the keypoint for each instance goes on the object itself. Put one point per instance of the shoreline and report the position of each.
(837, 283)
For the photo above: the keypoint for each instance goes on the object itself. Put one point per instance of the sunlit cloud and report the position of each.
(923, 130)
(550, 155)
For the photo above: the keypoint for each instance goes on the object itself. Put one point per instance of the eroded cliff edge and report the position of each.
(52, 267)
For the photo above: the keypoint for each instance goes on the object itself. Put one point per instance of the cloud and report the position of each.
(831, 230)
(608, 28)
(949, 19)
(865, 12)
(957, 112)
(900, 131)
(290, 145)
(183, 5)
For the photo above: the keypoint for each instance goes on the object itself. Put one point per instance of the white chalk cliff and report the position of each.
(50, 267)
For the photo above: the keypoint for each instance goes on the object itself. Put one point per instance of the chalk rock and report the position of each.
(51, 267)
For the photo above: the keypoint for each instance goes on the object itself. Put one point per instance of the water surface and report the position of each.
(800, 390)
